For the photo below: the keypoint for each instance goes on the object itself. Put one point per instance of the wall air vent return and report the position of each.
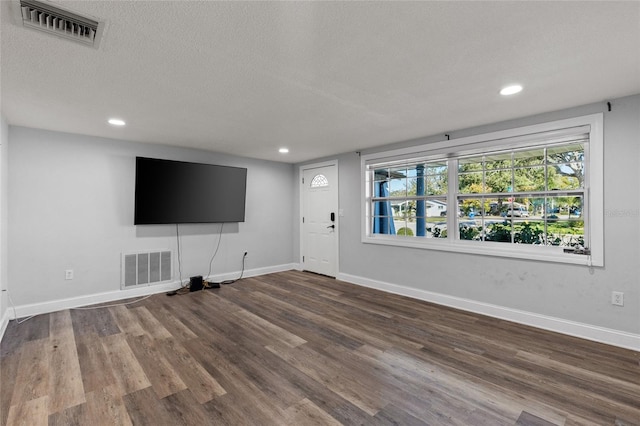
(48, 17)
(145, 268)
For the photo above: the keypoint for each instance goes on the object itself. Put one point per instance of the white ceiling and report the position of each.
(320, 78)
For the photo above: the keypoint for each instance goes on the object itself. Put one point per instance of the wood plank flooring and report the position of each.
(295, 348)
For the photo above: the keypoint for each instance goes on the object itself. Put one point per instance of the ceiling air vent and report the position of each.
(50, 18)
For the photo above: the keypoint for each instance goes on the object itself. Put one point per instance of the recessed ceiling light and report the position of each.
(116, 122)
(511, 90)
(283, 150)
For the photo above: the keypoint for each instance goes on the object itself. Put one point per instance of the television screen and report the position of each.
(170, 192)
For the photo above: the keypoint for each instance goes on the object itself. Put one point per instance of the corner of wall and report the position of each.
(4, 143)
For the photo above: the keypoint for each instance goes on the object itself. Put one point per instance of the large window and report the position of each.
(533, 192)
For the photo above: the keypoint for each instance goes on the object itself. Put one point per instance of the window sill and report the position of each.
(506, 250)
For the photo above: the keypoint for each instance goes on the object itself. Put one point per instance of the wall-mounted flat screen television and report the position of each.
(168, 192)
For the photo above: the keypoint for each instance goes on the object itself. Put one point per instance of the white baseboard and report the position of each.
(110, 296)
(251, 272)
(559, 325)
(91, 299)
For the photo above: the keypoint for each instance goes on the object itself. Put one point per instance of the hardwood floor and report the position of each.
(300, 349)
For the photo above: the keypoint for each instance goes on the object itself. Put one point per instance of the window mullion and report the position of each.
(586, 199)
(452, 200)
(511, 189)
(545, 206)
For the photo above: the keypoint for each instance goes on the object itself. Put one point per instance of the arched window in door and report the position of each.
(319, 181)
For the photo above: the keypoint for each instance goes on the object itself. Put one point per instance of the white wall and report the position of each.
(4, 145)
(71, 207)
(567, 292)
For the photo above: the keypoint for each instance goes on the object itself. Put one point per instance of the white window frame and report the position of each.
(593, 195)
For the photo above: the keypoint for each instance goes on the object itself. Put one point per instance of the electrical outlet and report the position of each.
(68, 274)
(617, 298)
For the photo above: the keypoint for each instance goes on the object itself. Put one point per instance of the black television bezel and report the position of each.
(140, 220)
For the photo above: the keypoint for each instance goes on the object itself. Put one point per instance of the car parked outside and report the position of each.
(517, 212)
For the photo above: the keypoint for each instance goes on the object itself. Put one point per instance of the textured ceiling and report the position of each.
(321, 78)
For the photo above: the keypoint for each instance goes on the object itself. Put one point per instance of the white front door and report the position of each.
(320, 219)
